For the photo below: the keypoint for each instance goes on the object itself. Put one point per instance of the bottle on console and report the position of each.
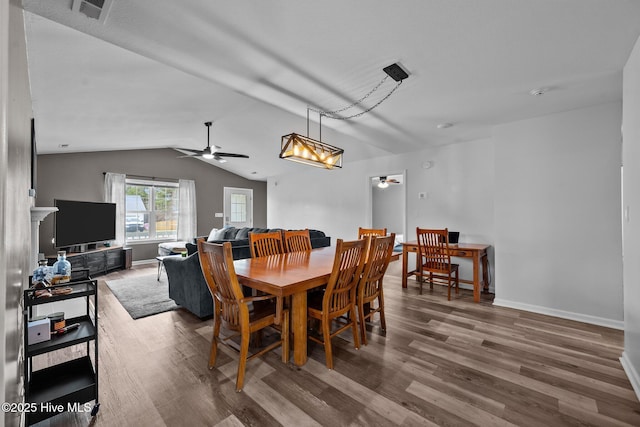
(61, 269)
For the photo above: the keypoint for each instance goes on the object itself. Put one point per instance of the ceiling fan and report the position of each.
(212, 153)
(383, 181)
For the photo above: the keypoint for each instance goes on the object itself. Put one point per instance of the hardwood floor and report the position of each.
(439, 363)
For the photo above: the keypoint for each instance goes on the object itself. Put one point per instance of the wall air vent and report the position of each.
(95, 9)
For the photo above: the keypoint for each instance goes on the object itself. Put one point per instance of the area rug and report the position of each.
(142, 296)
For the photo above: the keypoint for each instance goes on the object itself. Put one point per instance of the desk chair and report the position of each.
(232, 308)
(370, 286)
(265, 244)
(434, 259)
(339, 298)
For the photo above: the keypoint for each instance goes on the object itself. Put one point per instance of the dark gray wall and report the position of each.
(79, 176)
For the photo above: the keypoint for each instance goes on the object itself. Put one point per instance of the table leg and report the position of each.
(476, 277)
(299, 327)
(485, 272)
(159, 269)
(405, 268)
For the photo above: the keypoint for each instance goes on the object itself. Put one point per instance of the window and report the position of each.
(238, 207)
(151, 210)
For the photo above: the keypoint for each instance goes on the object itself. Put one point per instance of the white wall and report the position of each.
(459, 189)
(15, 180)
(544, 192)
(631, 226)
(387, 209)
(558, 247)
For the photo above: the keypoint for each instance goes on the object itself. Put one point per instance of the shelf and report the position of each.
(71, 385)
(67, 383)
(80, 289)
(85, 332)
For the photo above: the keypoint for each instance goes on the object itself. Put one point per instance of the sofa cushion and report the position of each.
(243, 233)
(230, 233)
(316, 234)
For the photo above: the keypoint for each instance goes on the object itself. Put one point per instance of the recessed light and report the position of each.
(63, 145)
(444, 125)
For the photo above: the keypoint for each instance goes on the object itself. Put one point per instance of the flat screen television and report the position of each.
(80, 223)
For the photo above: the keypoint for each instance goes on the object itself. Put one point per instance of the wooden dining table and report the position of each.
(290, 274)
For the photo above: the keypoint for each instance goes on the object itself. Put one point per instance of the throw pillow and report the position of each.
(212, 235)
(219, 234)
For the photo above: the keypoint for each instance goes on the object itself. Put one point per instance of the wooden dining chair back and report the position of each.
(338, 300)
(370, 295)
(234, 311)
(375, 232)
(434, 259)
(265, 244)
(297, 240)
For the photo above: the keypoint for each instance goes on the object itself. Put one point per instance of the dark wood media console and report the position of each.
(98, 261)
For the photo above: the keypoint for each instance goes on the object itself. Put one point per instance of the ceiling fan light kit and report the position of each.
(303, 149)
(211, 152)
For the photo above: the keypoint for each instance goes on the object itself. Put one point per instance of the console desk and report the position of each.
(476, 251)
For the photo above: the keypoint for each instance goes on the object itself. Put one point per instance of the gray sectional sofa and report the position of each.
(187, 286)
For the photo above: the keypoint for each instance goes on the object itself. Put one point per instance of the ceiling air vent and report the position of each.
(95, 9)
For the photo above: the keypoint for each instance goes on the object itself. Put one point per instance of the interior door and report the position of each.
(238, 207)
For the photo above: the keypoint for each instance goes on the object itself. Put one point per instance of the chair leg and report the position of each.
(242, 363)
(449, 288)
(457, 282)
(213, 354)
(284, 336)
(326, 337)
(383, 322)
(361, 319)
(354, 327)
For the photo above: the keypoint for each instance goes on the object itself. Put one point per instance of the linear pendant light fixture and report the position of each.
(303, 149)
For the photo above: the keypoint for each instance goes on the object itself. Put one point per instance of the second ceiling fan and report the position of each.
(212, 153)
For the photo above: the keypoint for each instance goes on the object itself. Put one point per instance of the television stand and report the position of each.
(97, 261)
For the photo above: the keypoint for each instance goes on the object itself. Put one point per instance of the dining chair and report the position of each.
(364, 232)
(240, 314)
(434, 258)
(265, 244)
(338, 300)
(369, 288)
(297, 240)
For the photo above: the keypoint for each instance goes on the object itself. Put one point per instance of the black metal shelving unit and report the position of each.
(70, 385)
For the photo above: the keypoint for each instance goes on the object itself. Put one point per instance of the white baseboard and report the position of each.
(144, 261)
(585, 318)
(631, 372)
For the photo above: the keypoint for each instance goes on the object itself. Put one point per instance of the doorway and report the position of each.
(238, 207)
(387, 202)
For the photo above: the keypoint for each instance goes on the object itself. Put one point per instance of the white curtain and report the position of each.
(114, 192)
(187, 218)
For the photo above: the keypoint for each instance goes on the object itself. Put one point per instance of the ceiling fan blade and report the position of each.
(192, 150)
(242, 156)
(190, 155)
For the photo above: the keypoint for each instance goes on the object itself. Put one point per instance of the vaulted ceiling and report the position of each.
(149, 73)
